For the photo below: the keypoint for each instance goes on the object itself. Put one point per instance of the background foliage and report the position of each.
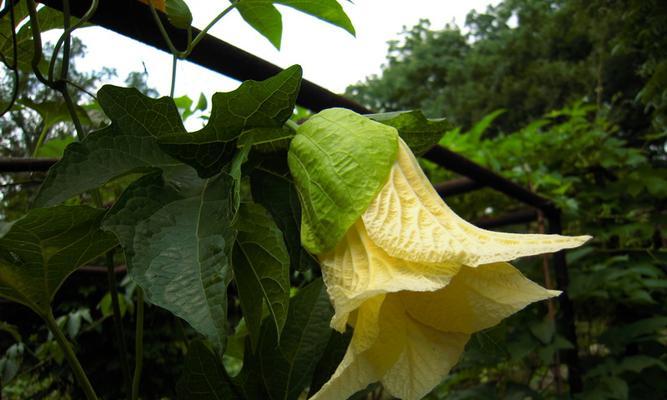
(566, 97)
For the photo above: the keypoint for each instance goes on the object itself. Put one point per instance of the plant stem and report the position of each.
(81, 88)
(210, 25)
(37, 44)
(138, 345)
(163, 31)
(65, 37)
(292, 125)
(191, 43)
(118, 321)
(64, 68)
(71, 108)
(37, 57)
(14, 67)
(40, 139)
(173, 75)
(79, 373)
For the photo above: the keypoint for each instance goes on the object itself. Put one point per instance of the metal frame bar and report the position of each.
(129, 18)
(26, 164)
(133, 19)
(457, 186)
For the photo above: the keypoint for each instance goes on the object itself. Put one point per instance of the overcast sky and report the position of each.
(330, 56)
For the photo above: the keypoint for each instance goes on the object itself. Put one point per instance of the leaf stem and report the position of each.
(81, 88)
(173, 76)
(61, 86)
(40, 139)
(64, 67)
(208, 27)
(71, 108)
(66, 36)
(191, 43)
(37, 44)
(79, 373)
(292, 125)
(162, 29)
(138, 344)
(118, 320)
(9, 5)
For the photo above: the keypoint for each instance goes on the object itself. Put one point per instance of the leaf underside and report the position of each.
(39, 251)
(178, 245)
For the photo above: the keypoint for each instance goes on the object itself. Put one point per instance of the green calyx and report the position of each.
(339, 160)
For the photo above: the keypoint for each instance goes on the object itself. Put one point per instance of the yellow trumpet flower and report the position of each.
(411, 277)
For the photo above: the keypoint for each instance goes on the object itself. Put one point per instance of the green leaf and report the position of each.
(277, 194)
(616, 387)
(281, 369)
(619, 336)
(184, 104)
(261, 269)
(235, 171)
(10, 362)
(544, 330)
(255, 104)
(130, 143)
(339, 160)
(204, 377)
(127, 145)
(202, 103)
(48, 19)
(326, 10)
(249, 380)
(266, 19)
(178, 13)
(638, 363)
(20, 13)
(39, 251)
(137, 113)
(331, 357)
(270, 140)
(480, 127)
(287, 365)
(177, 244)
(415, 129)
(54, 148)
(54, 111)
(12, 330)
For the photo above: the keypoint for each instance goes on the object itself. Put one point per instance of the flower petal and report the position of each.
(389, 346)
(377, 341)
(476, 299)
(409, 220)
(357, 270)
(426, 360)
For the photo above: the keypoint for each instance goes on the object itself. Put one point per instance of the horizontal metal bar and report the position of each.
(512, 218)
(26, 164)
(134, 19)
(456, 186)
(462, 166)
(96, 269)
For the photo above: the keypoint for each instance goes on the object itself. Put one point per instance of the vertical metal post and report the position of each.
(567, 317)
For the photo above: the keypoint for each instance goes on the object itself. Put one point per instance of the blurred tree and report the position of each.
(569, 98)
(40, 109)
(529, 57)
